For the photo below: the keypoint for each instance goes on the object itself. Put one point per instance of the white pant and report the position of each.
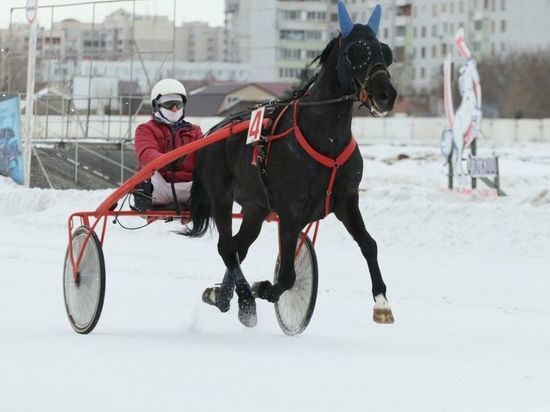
(162, 190)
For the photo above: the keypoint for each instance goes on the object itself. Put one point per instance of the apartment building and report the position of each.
(199, 42)
(279, 37)
(69, 45)
(421, 32)
(276, 37)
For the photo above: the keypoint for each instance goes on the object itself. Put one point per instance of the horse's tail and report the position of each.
(200, 208)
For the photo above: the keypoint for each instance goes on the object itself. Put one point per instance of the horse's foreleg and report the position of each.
(347, 211)
(247, 234)
(288, 236)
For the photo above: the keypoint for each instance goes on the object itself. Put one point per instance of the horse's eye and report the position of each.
(358, 55)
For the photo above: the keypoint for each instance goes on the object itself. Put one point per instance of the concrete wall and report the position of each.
(392, 130)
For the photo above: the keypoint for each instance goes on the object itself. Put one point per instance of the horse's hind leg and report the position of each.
(347, 211)
(247, 234)
(232, 250)
(221, 296)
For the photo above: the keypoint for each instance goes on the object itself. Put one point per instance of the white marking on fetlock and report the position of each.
(382, 311)
(381, 303)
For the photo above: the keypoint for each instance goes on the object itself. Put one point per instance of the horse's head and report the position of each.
(363, 62)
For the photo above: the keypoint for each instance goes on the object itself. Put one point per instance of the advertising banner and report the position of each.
(11, 159)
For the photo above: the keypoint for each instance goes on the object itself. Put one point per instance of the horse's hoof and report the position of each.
(383, 316)
(260, 290)
(382, 310)
(212, 296)
(247, 313)
(209, 296)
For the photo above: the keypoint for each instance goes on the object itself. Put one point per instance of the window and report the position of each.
(493, 25)
(423, 31)
(423, 52)
(461, 6)
(434, 30)
(422, 72)
(477, 25)
(292, 34)
(314, 35)
(434, 51)
(399, 54)
(316, 15)
(503, 26)
(290, 54)
(502, 5)
(386, 33)
(290, 14)
(290, 73)
(444, 49)
(414, 32)
(311, 54)
(400, 31)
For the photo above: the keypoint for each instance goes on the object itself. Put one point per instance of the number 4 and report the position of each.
(255, 127)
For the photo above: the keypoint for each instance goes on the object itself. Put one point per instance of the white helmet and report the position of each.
(167, 86)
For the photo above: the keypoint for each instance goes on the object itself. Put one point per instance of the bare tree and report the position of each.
(517, 85)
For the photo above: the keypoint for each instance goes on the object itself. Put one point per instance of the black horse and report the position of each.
(314, 170)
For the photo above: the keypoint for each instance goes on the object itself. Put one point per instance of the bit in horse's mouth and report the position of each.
(374, 109)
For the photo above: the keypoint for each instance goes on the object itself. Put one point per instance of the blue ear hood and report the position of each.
(374, 20)
(346, 25)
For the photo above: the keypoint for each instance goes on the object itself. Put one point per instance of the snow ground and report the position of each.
(468, 280)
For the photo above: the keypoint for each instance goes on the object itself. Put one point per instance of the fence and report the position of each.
(410, 130)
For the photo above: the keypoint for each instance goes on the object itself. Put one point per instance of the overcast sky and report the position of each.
(210, 11)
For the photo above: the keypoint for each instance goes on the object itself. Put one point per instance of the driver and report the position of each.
(166, 131)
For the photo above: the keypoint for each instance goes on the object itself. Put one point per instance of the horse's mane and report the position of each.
(323, 57)
(307, 82)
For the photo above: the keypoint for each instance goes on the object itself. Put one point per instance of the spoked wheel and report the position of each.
(84, 294)
(295, 306)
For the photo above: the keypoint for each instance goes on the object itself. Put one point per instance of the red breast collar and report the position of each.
(326, 161)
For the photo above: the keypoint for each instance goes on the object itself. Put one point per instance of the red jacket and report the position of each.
(153, 139)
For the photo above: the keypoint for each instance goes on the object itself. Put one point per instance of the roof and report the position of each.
(204, 106)
(208, 100)
(128, 87)
(218, 89)
(242, 106)
(277, 89)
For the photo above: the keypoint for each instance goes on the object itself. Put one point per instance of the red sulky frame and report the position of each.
(91, 219)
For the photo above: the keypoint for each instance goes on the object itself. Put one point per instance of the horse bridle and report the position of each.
(372, 71)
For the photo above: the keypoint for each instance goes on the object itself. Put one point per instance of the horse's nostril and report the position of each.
(383, 97)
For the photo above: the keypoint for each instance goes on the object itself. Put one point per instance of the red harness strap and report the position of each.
(326, 161)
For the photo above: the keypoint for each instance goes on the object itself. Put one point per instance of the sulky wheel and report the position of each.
(294, 308)
(84, 295)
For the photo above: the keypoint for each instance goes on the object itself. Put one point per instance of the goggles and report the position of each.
(171, 103)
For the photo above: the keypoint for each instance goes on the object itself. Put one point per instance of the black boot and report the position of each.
(143, 196)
